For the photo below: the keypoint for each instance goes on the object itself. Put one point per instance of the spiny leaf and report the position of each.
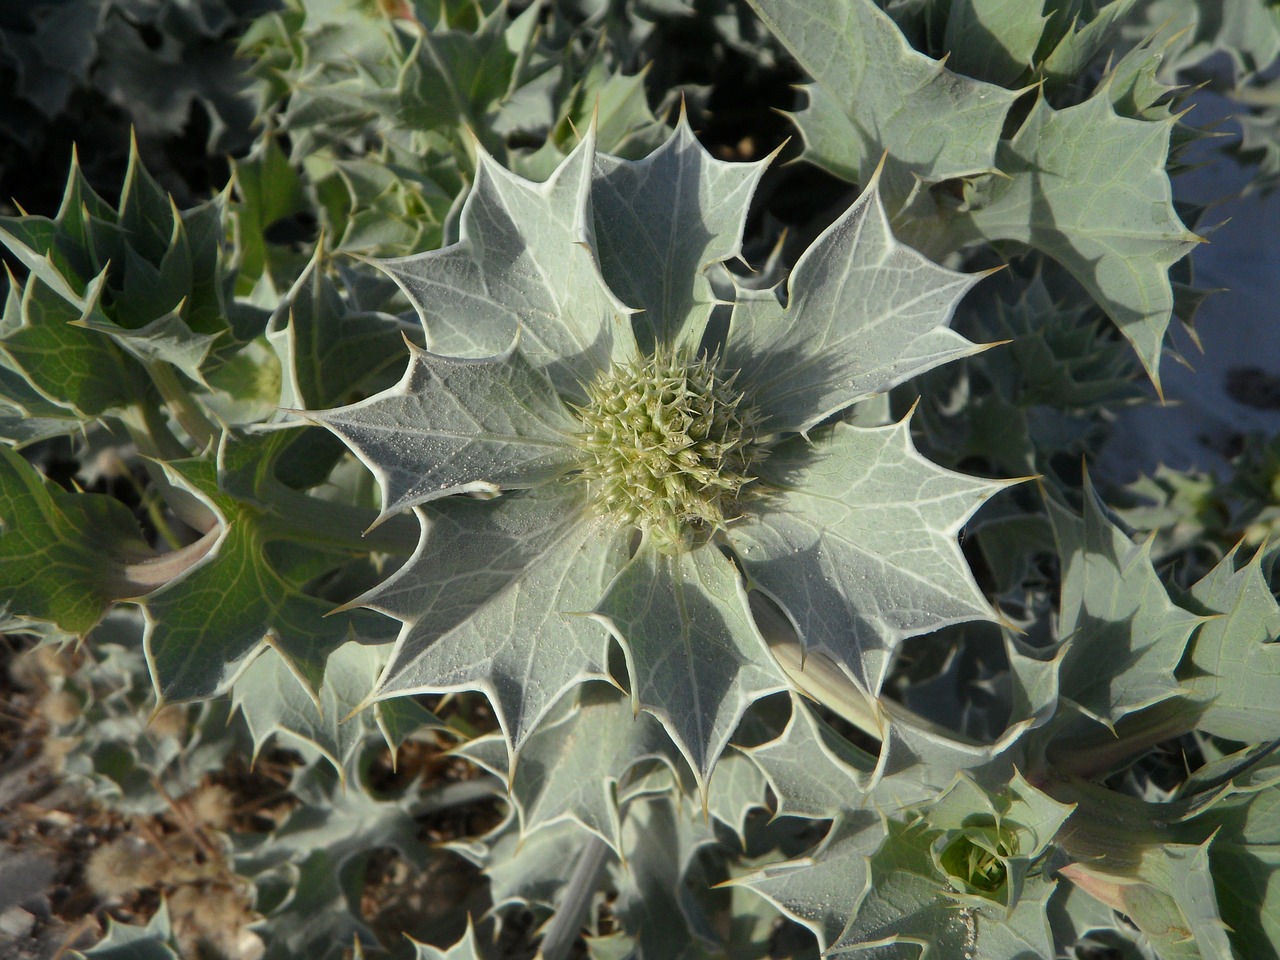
(246, 589)
(463, 949)
(272, 702)
(823, 890)
(1234, 661)
(456, 426)
(530, 559)
(654, 902)
(522, 267)
(1080, 45)
(660, 222)
(865, 72)
(854, 535)
(1089, 188)
(695, 657)
(575, 765)
(1169, 897)
(327, 349)
(863, 313)
(71, 367)
(1124, 637)
(814, 772)
(993, 40)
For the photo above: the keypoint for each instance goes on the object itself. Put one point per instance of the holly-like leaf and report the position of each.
(459, 426)
(64, 557)
(327, 350)
(681, 210)
(863, 313)
(69, 366)
(855, 537)
(993, 40)
(674, 450)
(575, 765)
(1234, 661)
(1246, 30)
(522, 267)
(1169, 897)
(273, 702)
(814, 772)
(1088, 187)
(737, 788)
(823, 890)
(1124, 637)
(310, 872)
(126, 942)
(864, 73)
(532, 560)
(654, 899)
(695, 656)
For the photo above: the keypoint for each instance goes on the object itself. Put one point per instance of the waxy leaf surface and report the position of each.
(854, 535)
(863, 313)
(1124, 637)
(523, 267)
(496, 599)
(459, 425)
(873, 93)
(660, 222)
(695, 656)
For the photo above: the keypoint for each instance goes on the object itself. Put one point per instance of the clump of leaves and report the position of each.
(613, 407)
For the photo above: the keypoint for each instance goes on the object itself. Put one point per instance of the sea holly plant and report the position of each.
(590, 455)
(644, 560)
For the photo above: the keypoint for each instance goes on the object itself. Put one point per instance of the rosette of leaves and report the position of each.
(591, 455)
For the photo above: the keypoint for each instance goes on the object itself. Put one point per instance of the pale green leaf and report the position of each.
(854, 535)
(575, 765)
(736, 790)
(1234, 660)
(273, 702)
(457, 426)
(1124, 637)
(814, 772)
(495, 599)
(863, 313)
(126, 942)
(695, 656)
(993, 40)
(1080, 45)
(823, 890)
(535, 871)
(1089, 188)
(654, 899)
(865, 71)
(166, 339)
(660, 222)
(523, 266)
(1169, 897)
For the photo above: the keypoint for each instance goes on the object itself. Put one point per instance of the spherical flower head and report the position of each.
(667, 444)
